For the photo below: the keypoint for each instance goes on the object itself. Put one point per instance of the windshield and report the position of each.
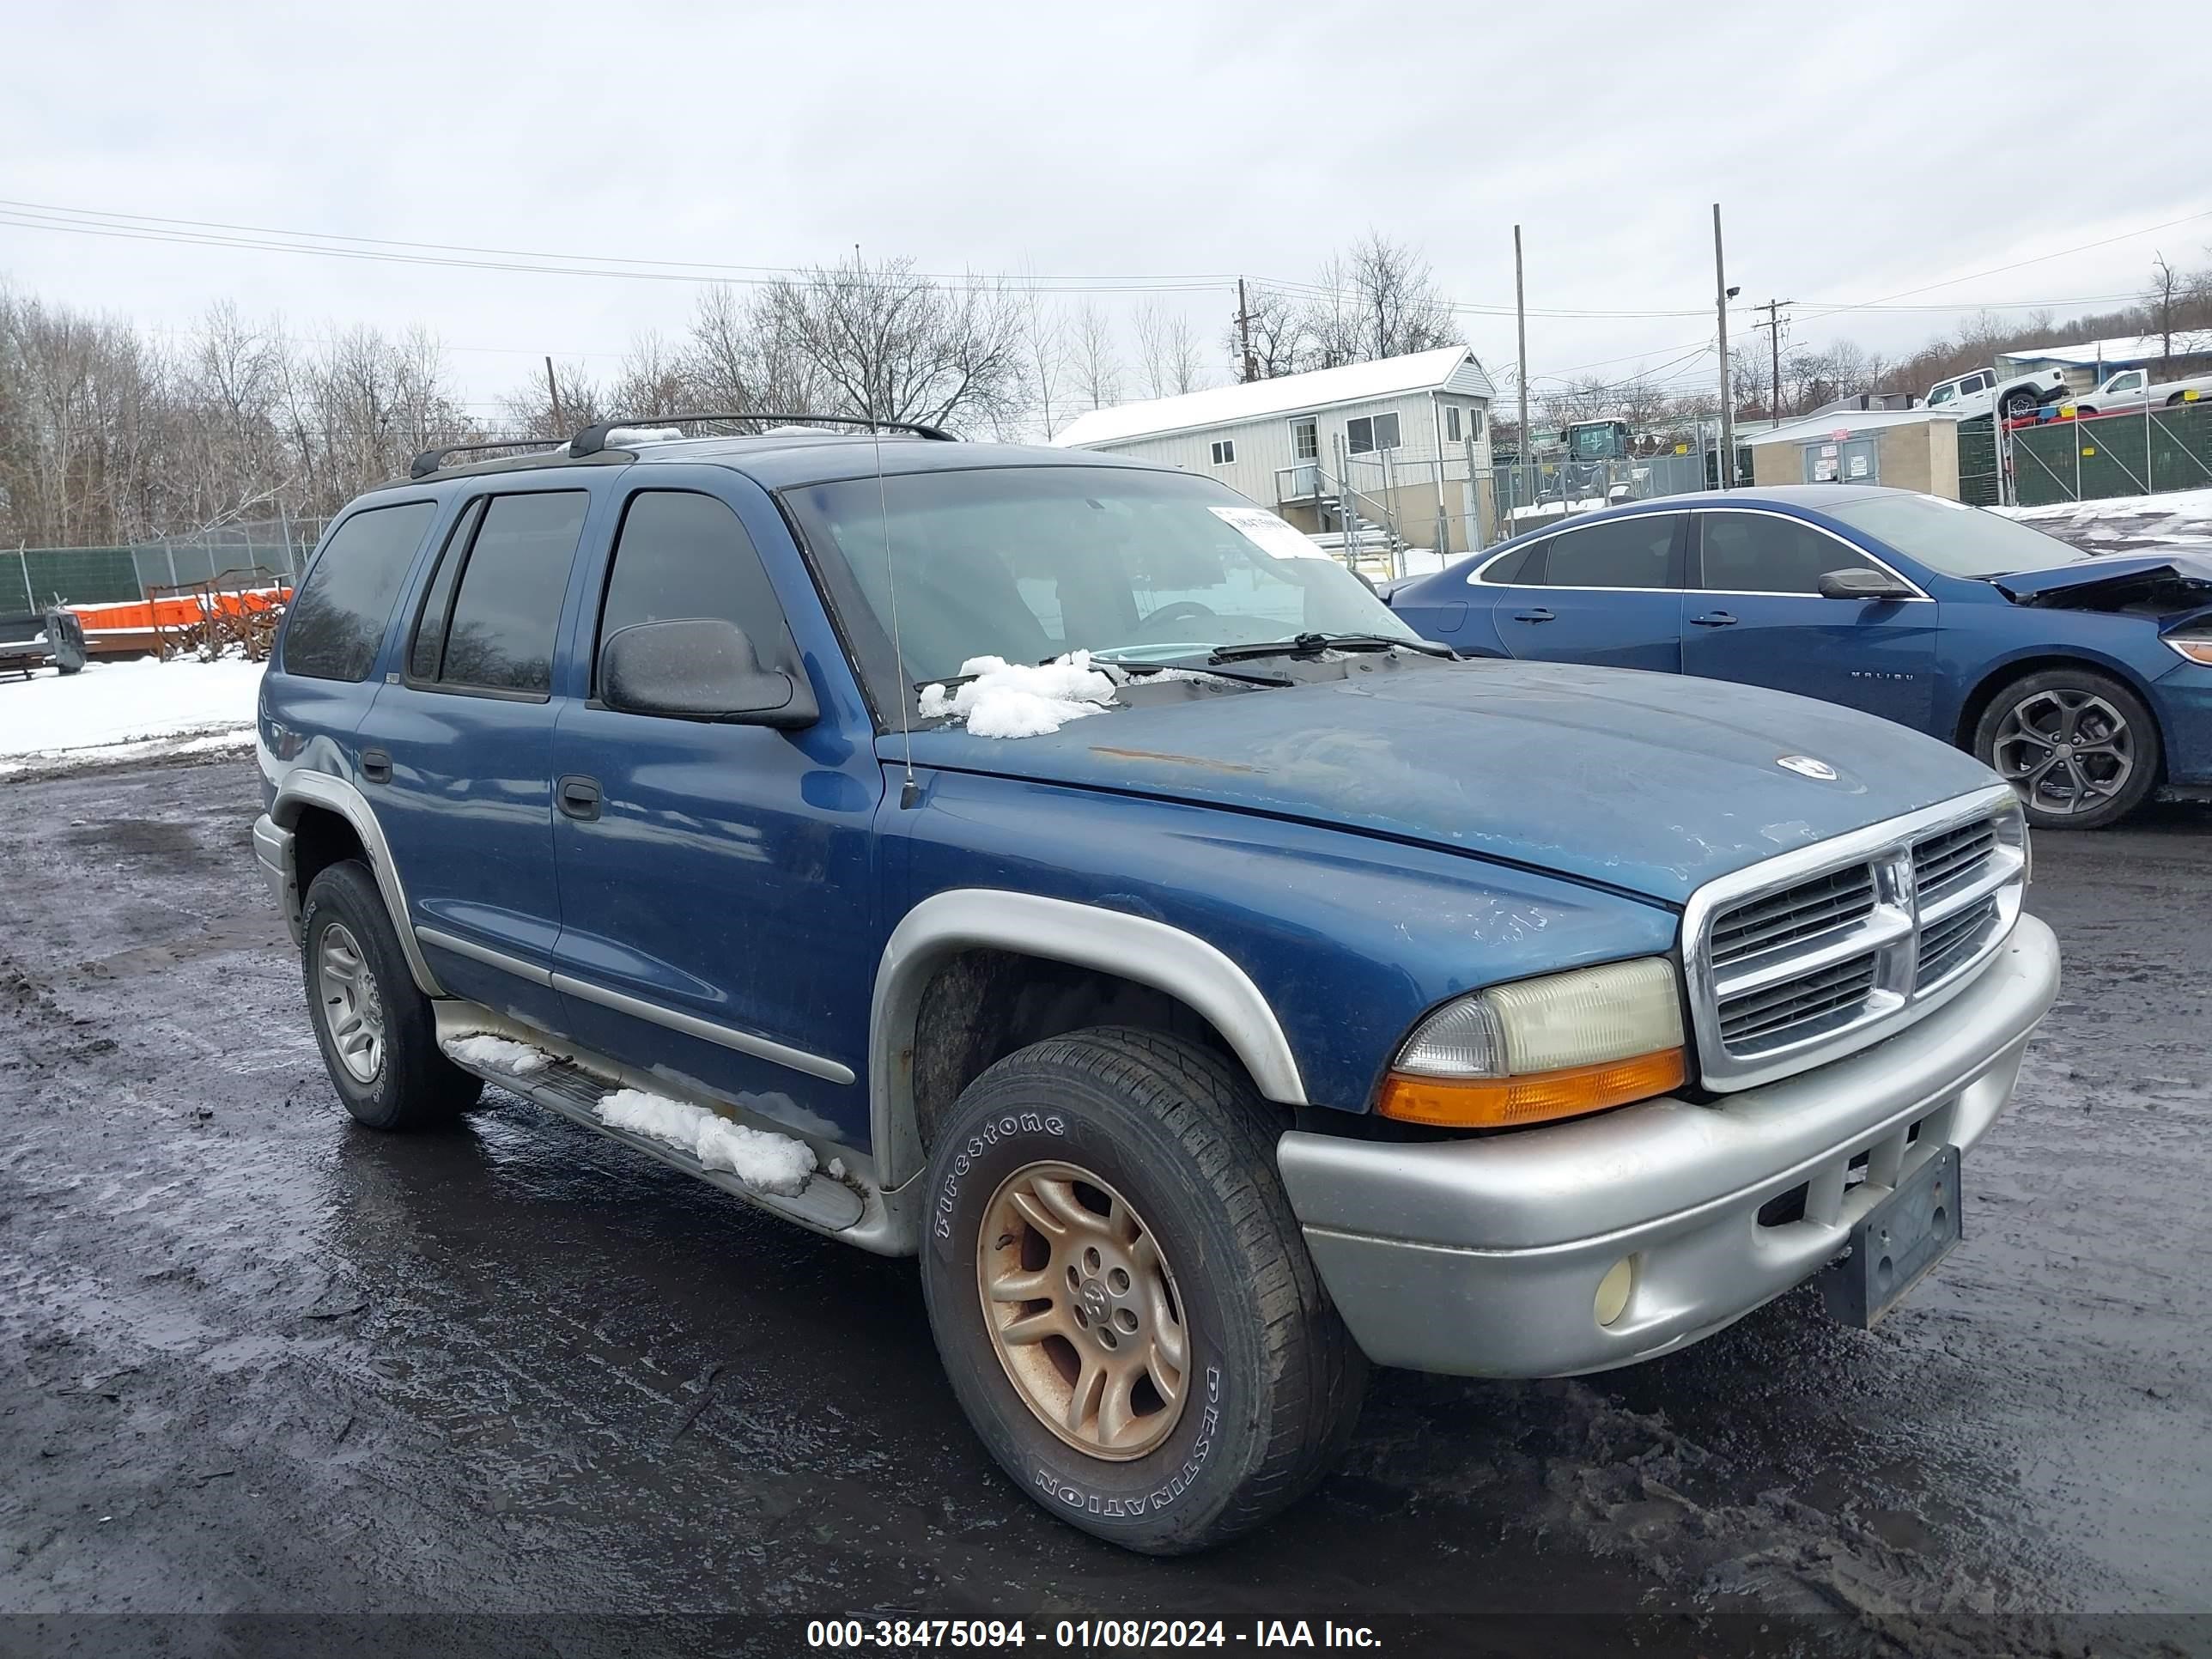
(1029, 563)
(1954, 538)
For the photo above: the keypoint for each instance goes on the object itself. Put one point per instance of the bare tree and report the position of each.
(1044, 359)
(1097, 365)
(1277, 327)
(892, 345)
(1378, 298)
(737, 361)
(651, 382)
(1167, 352)
(573, 400)
(2165, 285)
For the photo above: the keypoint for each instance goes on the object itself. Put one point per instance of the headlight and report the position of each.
(1543, 1048)
(2197, 648)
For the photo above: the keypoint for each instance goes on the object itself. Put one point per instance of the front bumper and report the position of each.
(1483, 1257)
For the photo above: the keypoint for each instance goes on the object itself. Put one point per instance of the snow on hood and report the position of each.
(1013, 700)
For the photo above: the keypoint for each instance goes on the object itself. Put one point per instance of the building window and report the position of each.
(1224, 451)
(1371, 432)
(1305, 441)
(1451, 423)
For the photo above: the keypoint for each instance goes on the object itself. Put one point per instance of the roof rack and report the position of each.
(594, 439)
(431, 459)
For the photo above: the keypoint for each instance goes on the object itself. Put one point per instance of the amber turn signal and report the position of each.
(1511, 1102)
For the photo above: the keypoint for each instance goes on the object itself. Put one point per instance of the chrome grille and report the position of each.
(1837, 944)
(1948, 944)
(1794, 915)
(1944, 863)
(1798, 1007)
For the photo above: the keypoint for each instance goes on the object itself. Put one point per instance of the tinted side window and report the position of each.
(427, 650)
(1633, 552)
(336, 618)
(508, 604)
(1510, 569)
(684, 556)
(1761, 553)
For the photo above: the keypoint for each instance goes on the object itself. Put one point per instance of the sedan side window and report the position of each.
(1765, 553)
(1636, 551)
(682, 556)
(1513, 567)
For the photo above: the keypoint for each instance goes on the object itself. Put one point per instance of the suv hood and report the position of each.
(1652, 783)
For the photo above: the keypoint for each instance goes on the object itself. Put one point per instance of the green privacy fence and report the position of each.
(2138, 453)
(1977, 462)
(33, 578)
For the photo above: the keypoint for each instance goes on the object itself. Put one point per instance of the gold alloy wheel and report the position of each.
(1083, 1309)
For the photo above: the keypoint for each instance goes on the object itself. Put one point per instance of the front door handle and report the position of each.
(579, 797)
(1713, 619)
(1538, 615)
(375, 766)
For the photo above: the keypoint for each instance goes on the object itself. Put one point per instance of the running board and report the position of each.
(826, 1204)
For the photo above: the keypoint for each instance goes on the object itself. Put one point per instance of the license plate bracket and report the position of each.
(1897, 1243)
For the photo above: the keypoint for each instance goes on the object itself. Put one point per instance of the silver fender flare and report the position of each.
(302, 789)
(1152, 953)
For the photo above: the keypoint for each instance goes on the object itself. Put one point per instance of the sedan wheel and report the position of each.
(2080, 747)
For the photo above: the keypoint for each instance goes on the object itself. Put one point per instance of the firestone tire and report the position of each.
(1179, 1151)
(378, 1034)
(2085, 709)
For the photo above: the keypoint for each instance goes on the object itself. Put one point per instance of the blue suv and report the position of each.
(2086, 682)
(1249, 994)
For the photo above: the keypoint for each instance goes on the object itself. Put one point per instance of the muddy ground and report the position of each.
(270, 1383)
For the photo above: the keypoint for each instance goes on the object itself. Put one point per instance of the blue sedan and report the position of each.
(2086, 681)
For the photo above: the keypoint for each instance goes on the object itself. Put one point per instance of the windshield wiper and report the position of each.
(1149, 668)
(1305, 645)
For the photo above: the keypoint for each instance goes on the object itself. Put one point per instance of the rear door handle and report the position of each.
(375, 766)
(580, 798)
(1538, 615)
(1713, 619)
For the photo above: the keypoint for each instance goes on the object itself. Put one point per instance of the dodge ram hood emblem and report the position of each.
(1806, 767)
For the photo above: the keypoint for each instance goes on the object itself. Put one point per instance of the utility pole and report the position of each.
(553, 390)
(1722, 295)
(1244, 334)
(1773, 326)
(1521, 329)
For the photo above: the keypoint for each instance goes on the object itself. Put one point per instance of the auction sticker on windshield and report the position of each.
(1270, 534)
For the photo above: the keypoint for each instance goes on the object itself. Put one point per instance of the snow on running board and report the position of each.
(1012, 700)
(515, 1058)
(767, 1163)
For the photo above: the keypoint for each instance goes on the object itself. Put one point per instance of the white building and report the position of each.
(1404, 433)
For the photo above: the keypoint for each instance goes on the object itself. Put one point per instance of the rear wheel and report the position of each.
(2079, 746)
(377, 1032)
(1122, 1296)
(2019, 405)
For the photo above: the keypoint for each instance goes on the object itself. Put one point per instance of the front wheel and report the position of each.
(2080, 747)
(2019, 405)
(378, 1033)
(1122, 1298)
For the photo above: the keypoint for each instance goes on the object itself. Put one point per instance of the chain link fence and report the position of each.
(33, 578)
(2137, 451)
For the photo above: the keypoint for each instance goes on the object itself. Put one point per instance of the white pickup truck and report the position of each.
(1978, 393)
(2133, 388)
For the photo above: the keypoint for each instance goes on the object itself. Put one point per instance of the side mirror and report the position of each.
(699, 670)
(1862, 583)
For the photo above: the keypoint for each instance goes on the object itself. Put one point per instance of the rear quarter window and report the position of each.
(1508, 569)
(335, 622)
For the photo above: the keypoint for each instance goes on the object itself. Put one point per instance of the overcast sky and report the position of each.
(1859, 151)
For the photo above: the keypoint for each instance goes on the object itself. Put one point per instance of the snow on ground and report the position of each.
(1013, 700)
(515, 1058)
(125, 711)
(767, 1163)
(2126, 523)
